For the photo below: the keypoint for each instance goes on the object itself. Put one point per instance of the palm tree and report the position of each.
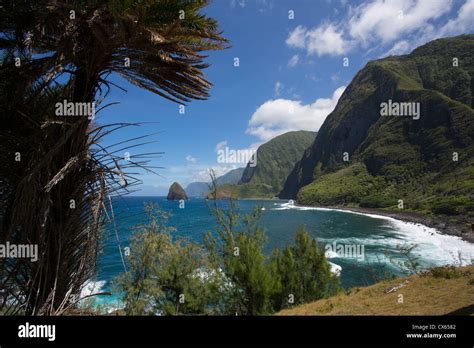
(68, 50)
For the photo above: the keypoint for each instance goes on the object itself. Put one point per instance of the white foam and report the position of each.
(432, 246)
(92, 287)
(335, 269)
(331, 254)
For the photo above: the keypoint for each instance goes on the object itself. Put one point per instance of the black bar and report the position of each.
(345, 330)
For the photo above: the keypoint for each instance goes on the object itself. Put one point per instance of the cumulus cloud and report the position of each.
(386, 21)
(297, 37)
(326, 39)
(400, 25)
(279, 116)
(462, 23)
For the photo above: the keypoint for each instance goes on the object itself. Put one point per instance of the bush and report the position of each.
(165, 275)
(446, 272)
(303, 272)
(230, 275)
(237, 250)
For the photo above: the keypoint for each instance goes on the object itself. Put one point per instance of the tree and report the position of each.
(154, 44)
(303, 271)
(237, 250)
(167, 275)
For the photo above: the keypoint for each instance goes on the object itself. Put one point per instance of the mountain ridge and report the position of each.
(397, 158)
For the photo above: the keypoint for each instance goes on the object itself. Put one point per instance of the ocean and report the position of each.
(358, 245)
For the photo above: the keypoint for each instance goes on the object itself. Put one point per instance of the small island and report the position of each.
(176, 193)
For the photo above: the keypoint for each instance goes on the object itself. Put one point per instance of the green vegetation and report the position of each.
(164, 273)
(243, 191)
(55, 196)
(427, 163)
(237, 251)
(347, 185)
(303, 272)
(230, 275)
(275, 160)
(453, 206)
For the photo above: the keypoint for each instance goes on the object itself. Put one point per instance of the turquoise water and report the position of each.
(378, 236)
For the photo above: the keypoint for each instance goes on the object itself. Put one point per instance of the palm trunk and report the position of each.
(65, 263)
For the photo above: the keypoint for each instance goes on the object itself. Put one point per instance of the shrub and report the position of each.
(446, 272)
(303, 271)
(165, 275)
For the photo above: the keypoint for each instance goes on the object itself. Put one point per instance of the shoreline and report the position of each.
(442, 226)
(440, 223)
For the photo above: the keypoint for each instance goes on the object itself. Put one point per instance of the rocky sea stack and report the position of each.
(176, 192)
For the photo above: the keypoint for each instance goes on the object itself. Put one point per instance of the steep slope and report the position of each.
(231, 177)
(275, 160)
(197, 189)
(398, 157)
(200, 188)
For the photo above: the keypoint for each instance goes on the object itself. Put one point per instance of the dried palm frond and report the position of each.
(54, 197)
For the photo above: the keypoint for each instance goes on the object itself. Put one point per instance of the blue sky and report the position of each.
(290, 76)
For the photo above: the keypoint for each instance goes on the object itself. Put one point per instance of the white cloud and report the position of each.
(297, 37)
(293, 61)
(387, 21)
(398, 26)
(279, 116)
(326, 39)
(191, 159)
(463, 22)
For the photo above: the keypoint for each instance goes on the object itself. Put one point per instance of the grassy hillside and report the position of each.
(441, 291)
(398, 158)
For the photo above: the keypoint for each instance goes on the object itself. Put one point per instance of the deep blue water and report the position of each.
(379, 237)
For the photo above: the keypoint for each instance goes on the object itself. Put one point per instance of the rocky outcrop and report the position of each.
(176, 193)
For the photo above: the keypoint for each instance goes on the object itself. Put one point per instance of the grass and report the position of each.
(349, 184)
(438, 292)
